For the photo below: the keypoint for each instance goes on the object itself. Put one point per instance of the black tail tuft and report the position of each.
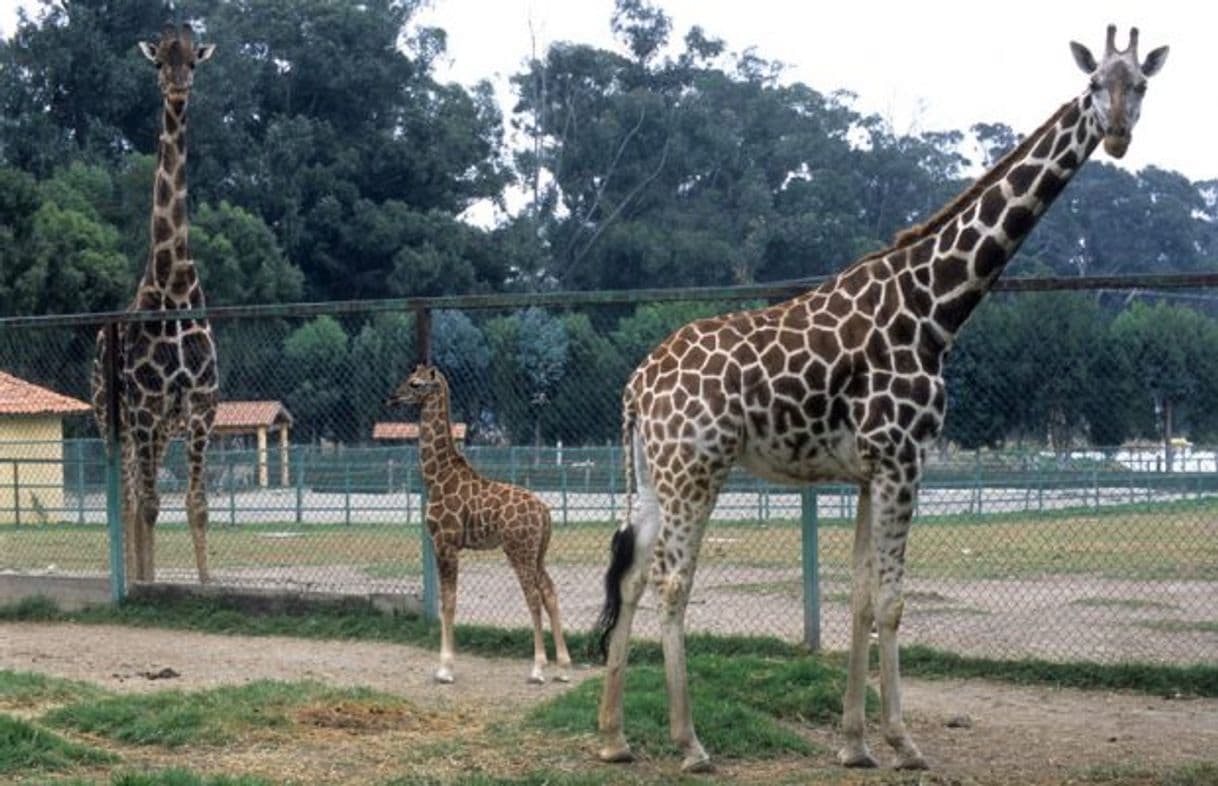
(621, 552)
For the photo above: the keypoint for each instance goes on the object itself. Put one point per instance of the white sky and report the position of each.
(927, 65)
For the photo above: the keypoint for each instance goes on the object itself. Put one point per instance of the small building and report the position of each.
(31, 450)
(407, 431)
(242, 418)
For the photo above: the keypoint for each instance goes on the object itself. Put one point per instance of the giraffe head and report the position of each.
(1118, 82)
(424, 384)
(175, 56)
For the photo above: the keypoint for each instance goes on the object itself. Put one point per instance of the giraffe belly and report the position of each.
(785, 461)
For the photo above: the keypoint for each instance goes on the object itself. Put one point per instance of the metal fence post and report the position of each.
(811, 565)
(114, 514)
(431, 607)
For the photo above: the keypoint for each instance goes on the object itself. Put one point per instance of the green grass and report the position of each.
(1154, 679)
(210, 717)
(1133, 541)
(217, 615)
(173, 777)
(1182, 626)
(608, 777)
(744, 706)
(26, 748)
(27, 689)
(1124, 603)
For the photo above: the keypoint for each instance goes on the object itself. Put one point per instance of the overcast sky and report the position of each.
(927, 65)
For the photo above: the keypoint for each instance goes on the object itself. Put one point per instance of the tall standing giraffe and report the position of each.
(167, 369)
(844, 383)
(468, 511)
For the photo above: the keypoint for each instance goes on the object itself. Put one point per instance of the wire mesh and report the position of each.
(1029, 540)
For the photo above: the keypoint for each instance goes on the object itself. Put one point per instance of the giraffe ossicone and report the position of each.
(468, 511)
(844, 383)
(167, 376)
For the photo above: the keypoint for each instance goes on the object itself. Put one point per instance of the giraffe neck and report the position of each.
(437, 451)
(170, 280)
(963, 249)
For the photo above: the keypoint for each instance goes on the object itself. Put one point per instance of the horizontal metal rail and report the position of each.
(500, 300)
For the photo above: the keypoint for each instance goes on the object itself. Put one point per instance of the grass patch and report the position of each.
(1154, 679)
(543, 778)
(25, 747)
(211, 717)
(1123, 603)
(27, 689)
(173, 777)
(223, 615)
(743, 705)
(1182, 626)
(1200, 774)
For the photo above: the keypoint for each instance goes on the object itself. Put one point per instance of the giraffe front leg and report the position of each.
(855, 752)
(894, 508)
(446, 564)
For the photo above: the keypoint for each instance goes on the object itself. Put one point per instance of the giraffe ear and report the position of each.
(1083, 56)
(1154, 61)
(204, 52)
(431, 373)
(147, 49)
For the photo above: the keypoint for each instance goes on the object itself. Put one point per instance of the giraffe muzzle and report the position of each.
(1115, 145)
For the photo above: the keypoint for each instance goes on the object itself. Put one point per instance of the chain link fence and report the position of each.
(1031, 537)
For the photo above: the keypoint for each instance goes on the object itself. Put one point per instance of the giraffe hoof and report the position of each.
(859, 757)
(697, 764)
(444, 676)
(914, 761)
(616, 755)
(537, 678)
(562, 676)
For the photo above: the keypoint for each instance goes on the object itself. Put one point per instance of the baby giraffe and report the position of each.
(467, 511)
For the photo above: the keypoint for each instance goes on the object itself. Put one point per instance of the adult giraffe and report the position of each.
(167, 369)
(843, 383)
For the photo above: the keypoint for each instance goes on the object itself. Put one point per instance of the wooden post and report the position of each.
(284, 477)
(262, 472)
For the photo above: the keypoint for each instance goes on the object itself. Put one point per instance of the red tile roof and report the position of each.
(18, 397)
(394, 429)
(251, 415)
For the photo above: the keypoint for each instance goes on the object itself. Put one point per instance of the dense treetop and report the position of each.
(327, 161)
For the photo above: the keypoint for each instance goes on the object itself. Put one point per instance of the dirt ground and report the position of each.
(1015, 734)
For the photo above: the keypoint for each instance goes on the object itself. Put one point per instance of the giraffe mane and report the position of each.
(913, 234)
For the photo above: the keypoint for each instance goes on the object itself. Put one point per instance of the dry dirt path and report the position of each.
(1016, 734)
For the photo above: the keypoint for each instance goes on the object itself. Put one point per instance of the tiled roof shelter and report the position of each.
(390, 430)
(258, 417)
(18, 397)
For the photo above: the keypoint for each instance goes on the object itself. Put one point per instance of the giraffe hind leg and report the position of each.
(855, 752)
(633, 548)
(196, 494)
(530, 584)
(549, 597)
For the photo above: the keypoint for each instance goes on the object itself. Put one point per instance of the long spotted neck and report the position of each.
(170, 280)
(972, 239)
(437, 450)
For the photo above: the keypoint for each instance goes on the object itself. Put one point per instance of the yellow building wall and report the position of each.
(31, 464)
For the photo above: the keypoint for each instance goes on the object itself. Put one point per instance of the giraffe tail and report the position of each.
(621, 548)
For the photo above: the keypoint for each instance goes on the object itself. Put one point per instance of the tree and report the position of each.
(316, 363)
(1171, 351)
(240, 259)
